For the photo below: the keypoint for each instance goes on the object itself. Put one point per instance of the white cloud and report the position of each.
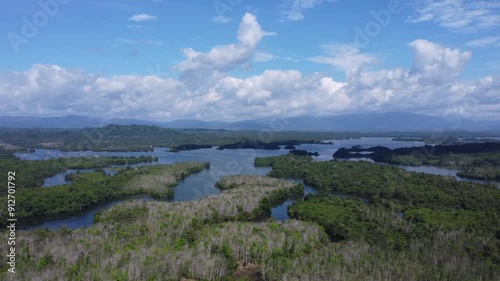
(221, 19)
(226, 57)
(437, 64)
(142, 17)
(492, 41)
(458, 15)
(293, 10)
(430, 85)
(344, 57)
(202, 69)
(206, 90)
(250, 32)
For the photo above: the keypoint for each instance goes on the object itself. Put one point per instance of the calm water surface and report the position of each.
(222, 163)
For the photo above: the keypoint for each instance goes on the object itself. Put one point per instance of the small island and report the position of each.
(474, 160)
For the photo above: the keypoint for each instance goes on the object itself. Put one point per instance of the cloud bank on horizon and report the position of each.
(216, 81)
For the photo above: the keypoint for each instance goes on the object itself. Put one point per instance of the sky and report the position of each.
(242, 59)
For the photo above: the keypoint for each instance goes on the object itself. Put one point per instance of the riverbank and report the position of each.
(473, 160)
(33, 173)
(206, 239)
(92, 188)
(177, 235)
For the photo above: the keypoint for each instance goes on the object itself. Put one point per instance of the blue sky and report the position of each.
(116, 58)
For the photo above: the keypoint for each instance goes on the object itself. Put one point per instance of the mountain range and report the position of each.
(362, 122)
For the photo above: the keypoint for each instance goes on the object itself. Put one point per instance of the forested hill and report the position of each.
(142, 137)
(110, 137)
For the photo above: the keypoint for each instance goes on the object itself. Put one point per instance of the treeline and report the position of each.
(182, 239)
(189, 147)
(91, 188)
(351, 220)
(299, 152)
(251, 145)
(474, 160)
(440, 241)
(381, 153)
(391, 184)
(405, 209)
(246, 144)
(145, 138)
(194, 240)
(32, 173)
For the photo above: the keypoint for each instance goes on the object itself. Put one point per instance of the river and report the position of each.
(222, 163)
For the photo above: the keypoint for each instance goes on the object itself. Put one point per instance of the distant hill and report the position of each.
(363, 122)
(66, 122)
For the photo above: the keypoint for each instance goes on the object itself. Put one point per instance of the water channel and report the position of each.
(222, 163)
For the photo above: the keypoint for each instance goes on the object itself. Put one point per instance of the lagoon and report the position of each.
(222, 163)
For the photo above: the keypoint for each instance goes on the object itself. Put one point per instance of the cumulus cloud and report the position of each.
(437, 64)
(430, 86)
(200, 70)
(205, 90)
(458, 15)
(142, 17)
(226, 57)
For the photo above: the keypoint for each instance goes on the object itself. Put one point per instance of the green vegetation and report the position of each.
(209, 239)
(145, 138)
(204, 239)
(189, 147)
(426, 244)
(435, 208)
(478, 165)
(32, 173)
(351, 220)
(389, 184)
(429, 140)
(484, 166)
(6, 154)
(474, 160)
(91, 188)
(415, 226)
